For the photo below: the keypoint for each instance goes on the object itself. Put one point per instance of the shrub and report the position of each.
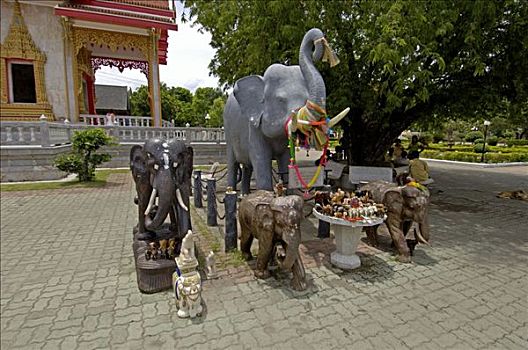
(83, 160)
(514, 142)
(508, 134)
(477, 141)
(426, 138)
(473, 135)
(493, 140)
(438, 136)
(479, 147)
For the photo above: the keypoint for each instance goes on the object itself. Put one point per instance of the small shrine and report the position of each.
(52, 49)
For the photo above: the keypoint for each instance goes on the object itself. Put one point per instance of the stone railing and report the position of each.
(51, 134)
(121, 120)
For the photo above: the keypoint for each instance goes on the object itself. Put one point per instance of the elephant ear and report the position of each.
(249, 93)
(138, 161)
(393, 201)
(283, 203)
(263, 218)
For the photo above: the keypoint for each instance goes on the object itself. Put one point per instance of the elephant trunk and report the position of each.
(292, 253)
(310, 51)
(165, 188)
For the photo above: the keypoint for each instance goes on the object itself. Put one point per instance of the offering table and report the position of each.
(347, 235)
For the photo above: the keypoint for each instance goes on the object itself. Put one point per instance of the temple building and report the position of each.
(50, 51)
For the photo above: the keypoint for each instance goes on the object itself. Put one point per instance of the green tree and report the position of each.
(180, 106)
(202, 103)
(401, 61)
(216, 112)
(139, 102)
(83, 159)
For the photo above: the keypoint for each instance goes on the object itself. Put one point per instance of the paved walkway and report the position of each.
(68, 280)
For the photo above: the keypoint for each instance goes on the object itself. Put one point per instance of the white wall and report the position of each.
(46, 30)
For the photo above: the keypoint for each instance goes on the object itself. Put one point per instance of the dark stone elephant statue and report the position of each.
(162, 172)
(405, 205)
(258, 114)
(273, 221)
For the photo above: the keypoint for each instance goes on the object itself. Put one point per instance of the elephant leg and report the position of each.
(260, 155)
(372, 235)
(283, 163)
(246, 179)
(264, 254)
(395, 227)
(232, 168)
(246, 239)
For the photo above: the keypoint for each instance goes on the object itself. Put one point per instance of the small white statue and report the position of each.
(186, 280)
(210, 266)
(187, 248)
(188, 293)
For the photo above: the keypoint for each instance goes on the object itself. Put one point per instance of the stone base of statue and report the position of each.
(154, 260)
(186, 281)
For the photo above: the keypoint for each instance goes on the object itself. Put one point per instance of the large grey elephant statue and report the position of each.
(405, 205)
(273, 220)
(162, 170)
(257, 115)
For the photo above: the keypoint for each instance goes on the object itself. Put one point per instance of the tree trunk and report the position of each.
(369, 137)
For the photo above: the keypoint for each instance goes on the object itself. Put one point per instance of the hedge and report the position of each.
(469, 148)
(516, 142)
(475, 157)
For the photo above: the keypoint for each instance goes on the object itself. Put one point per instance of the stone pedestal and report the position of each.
(347, 235)
(347, 239)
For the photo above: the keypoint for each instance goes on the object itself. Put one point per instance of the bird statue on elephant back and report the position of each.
(405, 206)
(273, 221)
(263, 112)
(162, 170)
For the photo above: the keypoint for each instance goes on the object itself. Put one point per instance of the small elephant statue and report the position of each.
(273, 220)
(406, 206)
(188, 293)
(162, 170)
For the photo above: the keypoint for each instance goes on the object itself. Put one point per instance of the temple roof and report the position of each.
(144, 14)
(161, 4)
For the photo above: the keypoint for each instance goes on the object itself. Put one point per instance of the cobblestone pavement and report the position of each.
(68, 280)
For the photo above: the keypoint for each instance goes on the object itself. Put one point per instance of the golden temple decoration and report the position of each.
(18, 44)
(84, 65)
(113, 40)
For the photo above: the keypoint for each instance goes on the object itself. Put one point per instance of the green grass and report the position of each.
(236, 258)
(101, 177)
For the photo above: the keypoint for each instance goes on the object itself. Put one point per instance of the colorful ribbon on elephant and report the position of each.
(316, 136)
(316, 130)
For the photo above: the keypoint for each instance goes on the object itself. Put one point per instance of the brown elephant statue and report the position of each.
(405, 205)
(273, 220)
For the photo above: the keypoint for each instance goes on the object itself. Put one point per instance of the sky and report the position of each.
(188, 56)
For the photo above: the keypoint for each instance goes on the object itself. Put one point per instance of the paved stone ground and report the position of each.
(68, 280)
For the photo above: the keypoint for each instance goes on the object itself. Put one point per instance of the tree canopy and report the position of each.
(180, 106)
(401, 61)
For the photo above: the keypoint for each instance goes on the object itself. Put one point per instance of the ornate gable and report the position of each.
(19, 45)
(18, 42)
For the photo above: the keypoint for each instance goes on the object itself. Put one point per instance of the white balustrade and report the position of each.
(50, 133)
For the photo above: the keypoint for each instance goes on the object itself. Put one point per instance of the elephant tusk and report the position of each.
(420, 237)
(151, 201)
(338, 117)
(180, 200)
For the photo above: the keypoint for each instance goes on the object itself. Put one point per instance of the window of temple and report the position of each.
(22, 82)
